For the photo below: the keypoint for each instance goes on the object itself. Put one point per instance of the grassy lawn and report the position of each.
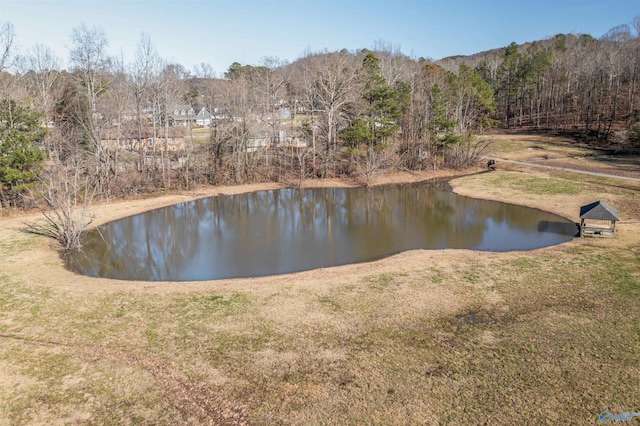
(534, 184)
(560, 152)
(529, 147)
(455, 337)
(535, 338)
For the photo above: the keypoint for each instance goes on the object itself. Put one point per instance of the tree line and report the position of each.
(110, 127)
(572, 84)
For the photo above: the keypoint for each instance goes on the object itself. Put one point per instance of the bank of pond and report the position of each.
(289, 230)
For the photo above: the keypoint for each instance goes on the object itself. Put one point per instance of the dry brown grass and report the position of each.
(423, 337)
(562, 152)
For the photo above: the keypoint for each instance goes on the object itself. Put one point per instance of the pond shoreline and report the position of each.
(44, 264)
(130, 207)
(288, 230)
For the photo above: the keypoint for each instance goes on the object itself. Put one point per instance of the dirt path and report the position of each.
(564, 169)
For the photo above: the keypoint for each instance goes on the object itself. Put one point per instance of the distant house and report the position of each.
(264, 138)
(283, 114)
(221, 114)
(187, 116)
(203, 118)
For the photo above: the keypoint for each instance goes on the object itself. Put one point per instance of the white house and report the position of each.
(185, 115)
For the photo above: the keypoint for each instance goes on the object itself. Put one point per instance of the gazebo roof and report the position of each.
(599, 211)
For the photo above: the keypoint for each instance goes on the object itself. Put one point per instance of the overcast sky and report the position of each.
(220, 32)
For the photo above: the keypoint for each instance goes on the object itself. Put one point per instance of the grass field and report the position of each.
(427, 337)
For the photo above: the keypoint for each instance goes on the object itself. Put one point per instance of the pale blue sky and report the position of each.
(219, 32)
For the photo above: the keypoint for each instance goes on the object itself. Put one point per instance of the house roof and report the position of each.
(599, 211)
(202, 112)
(178, 107)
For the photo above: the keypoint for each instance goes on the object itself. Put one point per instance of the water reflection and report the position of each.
(274, 232)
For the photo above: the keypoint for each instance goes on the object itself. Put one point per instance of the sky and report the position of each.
(220, 32)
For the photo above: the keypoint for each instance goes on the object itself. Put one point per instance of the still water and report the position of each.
(289, 230)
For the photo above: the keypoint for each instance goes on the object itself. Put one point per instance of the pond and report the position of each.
(290, 230)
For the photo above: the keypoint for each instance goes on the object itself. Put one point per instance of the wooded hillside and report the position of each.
(116, 129)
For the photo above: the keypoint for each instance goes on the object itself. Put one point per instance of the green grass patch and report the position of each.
(531, 184)
(498, 179)
(18, 243)
(330, 303)
(224, 305)
(383, 280)
(547, 186)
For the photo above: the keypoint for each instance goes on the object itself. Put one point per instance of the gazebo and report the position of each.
(598, 220)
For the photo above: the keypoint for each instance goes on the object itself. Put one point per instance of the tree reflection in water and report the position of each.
(288, 230)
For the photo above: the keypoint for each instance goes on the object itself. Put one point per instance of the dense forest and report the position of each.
(106, 129)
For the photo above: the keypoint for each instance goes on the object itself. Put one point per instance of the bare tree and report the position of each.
(41, 69)
(268, 83)
(143, 71)
(115, 108)
(204, 70)
(68, 194)
(90, 61)
(618, 33)
(394, 65)
(168, 89)
(635, 23)
(10, 85)
(7, 40)
(330, 86)
(237, 100)
(372, 160)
